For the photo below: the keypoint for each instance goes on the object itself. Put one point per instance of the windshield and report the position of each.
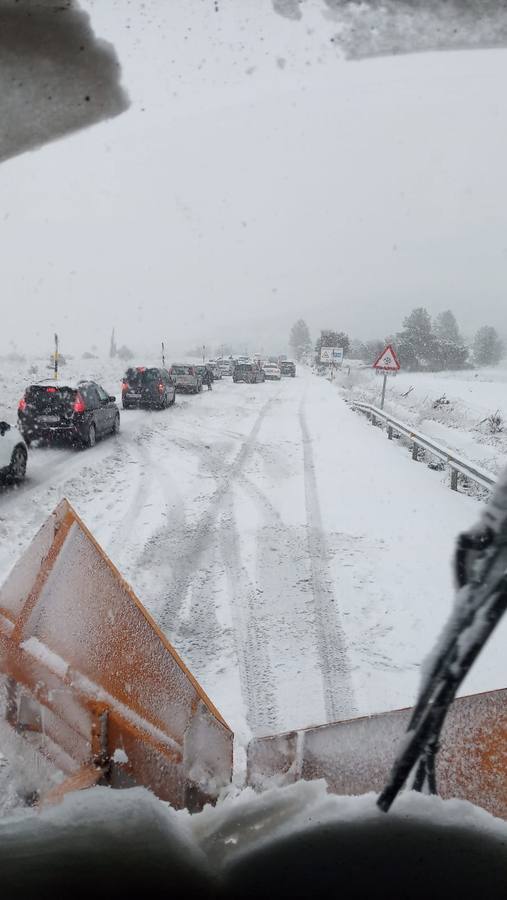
(310, 193)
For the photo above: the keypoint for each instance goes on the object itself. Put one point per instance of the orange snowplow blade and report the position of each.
(356, 756)
(94, 685)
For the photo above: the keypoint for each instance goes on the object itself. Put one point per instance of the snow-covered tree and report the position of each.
(419, 347)
(373, 349)
(446, 327)
(357, 349)
(299, 339)
(488, 346)
(418, 331)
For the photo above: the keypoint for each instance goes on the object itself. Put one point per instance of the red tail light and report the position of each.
(125, 386)
(79, 404)
(51, 390)
(161, 387)
(22, 404)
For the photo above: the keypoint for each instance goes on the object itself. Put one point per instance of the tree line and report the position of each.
(423, 344)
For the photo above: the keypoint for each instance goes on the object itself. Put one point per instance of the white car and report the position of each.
(13, 454)
(186, 378)
(215, 368)
(272, 372)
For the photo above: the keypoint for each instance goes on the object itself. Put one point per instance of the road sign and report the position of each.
(331, 354)
(387, 361)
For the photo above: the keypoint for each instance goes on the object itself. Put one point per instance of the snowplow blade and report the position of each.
(356, 756)
(93, 685)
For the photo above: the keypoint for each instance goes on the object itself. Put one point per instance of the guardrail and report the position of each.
(457, 465)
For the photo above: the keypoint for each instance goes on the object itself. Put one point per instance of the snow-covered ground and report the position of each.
(452, 407)
(299, 562)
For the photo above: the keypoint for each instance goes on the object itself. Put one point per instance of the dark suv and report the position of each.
(288, 368)
(151, 387)
(80, 413)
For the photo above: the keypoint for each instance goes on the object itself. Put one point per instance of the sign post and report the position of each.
(382, 399)
(386, 363)
(56, 358)
(163, 355)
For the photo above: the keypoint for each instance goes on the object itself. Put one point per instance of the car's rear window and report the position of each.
(137, 377)
(181, 370)
(46, 396)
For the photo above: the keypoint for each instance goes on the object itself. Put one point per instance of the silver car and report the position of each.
(215, 368)
(13, 454)
(186, 378)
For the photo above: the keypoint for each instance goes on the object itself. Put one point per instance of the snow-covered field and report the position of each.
(299, 562)
(452, 407)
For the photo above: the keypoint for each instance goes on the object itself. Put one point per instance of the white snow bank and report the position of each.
(452, 407)
(300, 837)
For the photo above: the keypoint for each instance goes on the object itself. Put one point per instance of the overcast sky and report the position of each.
(256, 178)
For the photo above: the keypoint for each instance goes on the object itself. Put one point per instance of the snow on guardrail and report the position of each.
(456, 463)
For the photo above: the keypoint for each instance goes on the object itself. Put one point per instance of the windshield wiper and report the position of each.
(481, 576)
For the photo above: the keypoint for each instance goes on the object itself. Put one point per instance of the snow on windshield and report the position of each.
(285, 178)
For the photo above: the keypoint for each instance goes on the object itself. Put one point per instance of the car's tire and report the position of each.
(126, 405)
(116, 424)
(173, 401)
(91, 437)
(17, 468)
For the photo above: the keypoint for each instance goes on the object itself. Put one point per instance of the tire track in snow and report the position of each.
(254, 665)
(201, 537)
(331, 641)
(137, 461)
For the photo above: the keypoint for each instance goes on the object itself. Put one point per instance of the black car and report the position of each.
(80, 413)
(288, 368)
(248, 372)
(145, 386)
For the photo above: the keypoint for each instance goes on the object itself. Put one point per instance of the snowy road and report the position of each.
(297, 559)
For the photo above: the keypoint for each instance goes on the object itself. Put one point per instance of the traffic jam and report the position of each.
(55, 410)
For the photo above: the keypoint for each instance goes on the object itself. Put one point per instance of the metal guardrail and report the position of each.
(457, 465)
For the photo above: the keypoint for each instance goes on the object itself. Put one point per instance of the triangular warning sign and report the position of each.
(387, 360)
